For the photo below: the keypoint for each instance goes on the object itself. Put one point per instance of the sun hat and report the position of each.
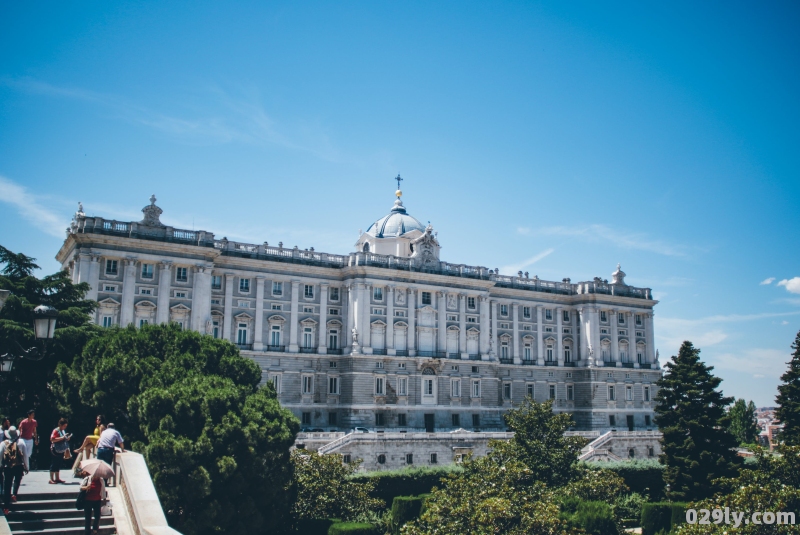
(12, 434)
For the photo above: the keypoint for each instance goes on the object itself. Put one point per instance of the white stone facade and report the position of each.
(389, 336)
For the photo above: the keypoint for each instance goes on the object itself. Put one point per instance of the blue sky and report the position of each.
(557, 138)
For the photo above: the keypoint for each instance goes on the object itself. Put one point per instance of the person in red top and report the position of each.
(59, 443)
(95, 489)
(28, 434)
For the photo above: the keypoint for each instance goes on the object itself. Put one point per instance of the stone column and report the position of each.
(366, 298)
(584, 341)
(94, 278)
(347, 343)
(126, 313)
(594, 334)
(412, 322)
(322, 348)
(390, 321)
(560, 335)
(631, 335)
(515, 341)
(293, 318)
(227, 320)
(442, 323)
(614, 322)
(539, 336)
(462, 326)
(258, 338)
(201, 299)
(164, 284)
(485, 328)
(650, 338)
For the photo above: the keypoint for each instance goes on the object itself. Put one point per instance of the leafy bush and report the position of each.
(662, 516)
(645, 477)
(353, 528)
(315, 526)
(596, 518)
(406, 481)
(405, 508)
(629, 508)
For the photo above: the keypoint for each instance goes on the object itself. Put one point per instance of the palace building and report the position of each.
(389, 336)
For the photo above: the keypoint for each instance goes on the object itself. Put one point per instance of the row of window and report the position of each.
(612, 393)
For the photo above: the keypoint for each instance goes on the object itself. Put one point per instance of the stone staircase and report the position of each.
(50, 509)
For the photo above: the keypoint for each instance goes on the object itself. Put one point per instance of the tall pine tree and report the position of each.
(789, 398)
(743, 422)
(690, 412)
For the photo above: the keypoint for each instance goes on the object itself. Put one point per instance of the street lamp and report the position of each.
(44, 327)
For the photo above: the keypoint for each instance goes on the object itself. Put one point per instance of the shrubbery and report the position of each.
(404, 509)
(662, 516)
(354, 528)
(406, 481)
(645, 477)
(595, 518)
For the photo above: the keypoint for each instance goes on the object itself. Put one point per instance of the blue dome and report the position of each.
(397, 223)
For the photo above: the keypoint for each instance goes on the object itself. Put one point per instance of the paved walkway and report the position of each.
(36, 482)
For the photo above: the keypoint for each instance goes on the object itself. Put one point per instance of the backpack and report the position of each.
(12, 456)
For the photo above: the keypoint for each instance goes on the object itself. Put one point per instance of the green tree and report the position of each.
(788, 399)
(697, 446)
(743, 424)
(325, 490)
(216, 444)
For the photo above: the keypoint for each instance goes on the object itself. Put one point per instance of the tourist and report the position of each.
(90, 441)
(108, 441)
(59, 446)
(6, 423)
(95, 490)
(14, 465)
(29, 435)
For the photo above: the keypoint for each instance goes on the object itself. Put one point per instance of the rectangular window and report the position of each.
(474, 369)
(549, 353)
(377, 293)
(333, 339)
(476, 420)
(333, 385)
(526, 312)
(331, 418)
(472, 319)
(455, 388)
(308, 337)
(476, 388)
(308, 291)
(243, 304)
(216, 282)
(215, 329)
(244, 286)
(346, 458)
(380, 419)
(638, 319)
(306, 418)
(145, 291)
(531, 389)
(548, 314)
(400, 313)
(647, 420)
(570, 393)
(333, 364)
(471, 303)
(427, 387)
(504, 350)
(552, 391)
(647, 393)
(107, 321)
(504, 310)
(612, 420)
(276, 306)
(241, 336)
(527, 352)
(506, 390)
(639, 357)
(333, 311)
(379, 386)
(401, 420)
(111, 267)
(603, 316)
(379, 364)
(181, 295)
(409, 458)
(612, 395)
(434, 458)
(377, 312)
(147, 271)
(565, 316)
(628, 393)
(275, 379)
(333, 294)
(426, 298)
(308, 310)
(401, 365)
(275, 336)
(452, 317)
(277, 288)
(110, 288)
(308, 384)
(621, 318)
(216, 301)
(402, 386)
(456, 420)
(142, 323)
(181, 274)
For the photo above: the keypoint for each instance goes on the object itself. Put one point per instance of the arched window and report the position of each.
(381, 459)
(631, 453)
(365, 248)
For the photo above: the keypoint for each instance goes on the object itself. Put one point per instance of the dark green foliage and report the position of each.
(662, 516)
(789, 398)
(595, 518)
(628, 508)
(315, 526)
(406, 481)
(743, 424)
(697, 446)
(354, 528)
(645, 477)
(404, 509)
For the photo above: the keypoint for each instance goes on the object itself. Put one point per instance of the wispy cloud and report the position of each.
(28, 206)
(512, 269)
(767, 281)
(759, 362)
(620, 238)
(239, 117)
(792, 285)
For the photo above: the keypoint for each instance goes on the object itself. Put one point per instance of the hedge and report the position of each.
(405, 509)
(595, 518)
(643, 476)
(662, 516)
(406, 481)
(354, 528)
(315, 526)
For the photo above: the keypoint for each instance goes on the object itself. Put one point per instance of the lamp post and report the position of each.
(44, 327)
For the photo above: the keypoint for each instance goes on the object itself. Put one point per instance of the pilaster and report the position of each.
(293, 318)
(323, 319)
(412, 322)
(390, 350)
(164, 284)
(227, 321)
(485, 327)
(649, 338)
(126, 314)
(442, 321)
(539, 336)
(462, 326)
(614, 322)
(560, 335)
(515, 341)
(201, 299)
(258, 338)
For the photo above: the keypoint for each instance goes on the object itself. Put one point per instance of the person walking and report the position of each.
(107, 442)
(29, 435)
(59, 445)
(14, 465)
(6, 423)
(95, 492)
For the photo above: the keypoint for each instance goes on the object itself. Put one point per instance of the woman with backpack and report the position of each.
(14, 465)
(59, 446)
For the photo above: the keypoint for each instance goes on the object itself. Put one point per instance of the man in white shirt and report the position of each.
(107, 442)
(14, 463)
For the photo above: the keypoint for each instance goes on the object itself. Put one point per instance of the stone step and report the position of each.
(42, 514)
(35, 505)
(104, 530)
(54, 523)
(42, 496)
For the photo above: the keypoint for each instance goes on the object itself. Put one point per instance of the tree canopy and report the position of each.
(690, 412)
(743, 425)
(788, 399)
